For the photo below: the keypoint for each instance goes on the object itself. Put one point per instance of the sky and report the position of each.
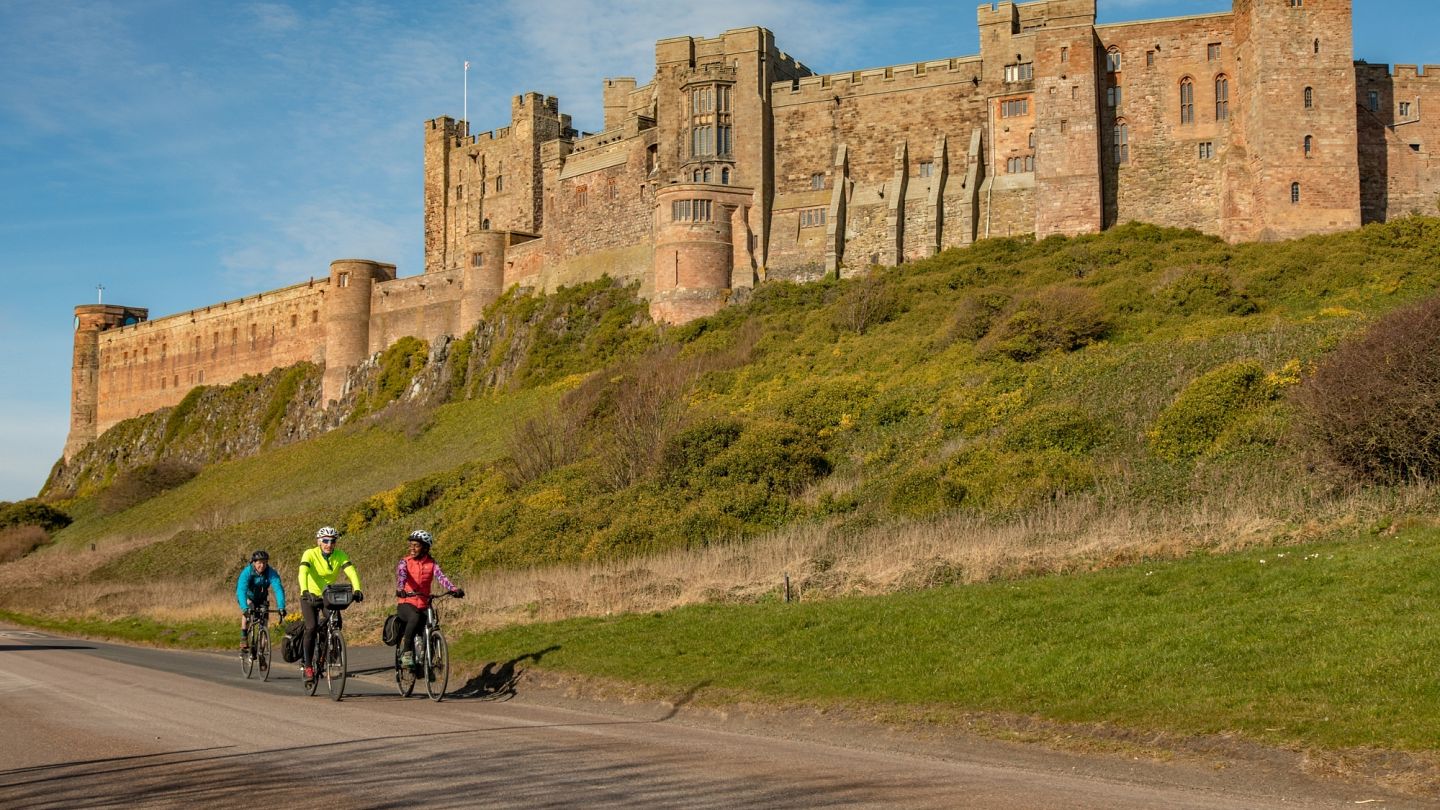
(186, 152)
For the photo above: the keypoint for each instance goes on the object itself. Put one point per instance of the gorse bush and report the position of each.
(1373, 405)
(1209, 406)
(33, 513)
(1056, 318)
(1207, 291)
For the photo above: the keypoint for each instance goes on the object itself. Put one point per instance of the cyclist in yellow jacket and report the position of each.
(319, 567)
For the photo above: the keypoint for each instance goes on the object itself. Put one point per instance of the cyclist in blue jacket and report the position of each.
(253, 588)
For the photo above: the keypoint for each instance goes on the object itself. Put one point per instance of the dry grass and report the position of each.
(821, 561)
(17, 541)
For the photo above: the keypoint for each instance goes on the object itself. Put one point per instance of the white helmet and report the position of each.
(422, 536)
(326, 533)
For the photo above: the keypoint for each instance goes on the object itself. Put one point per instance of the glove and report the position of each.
(399, 594)
(459, 593)
(359, 596)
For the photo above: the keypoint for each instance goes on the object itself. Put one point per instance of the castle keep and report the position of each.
(737, 164)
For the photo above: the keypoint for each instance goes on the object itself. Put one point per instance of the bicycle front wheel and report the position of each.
(247, 660)
(262, 653)
(335, 672)
(437, 668)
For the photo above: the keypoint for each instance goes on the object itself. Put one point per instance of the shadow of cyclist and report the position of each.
(498, 681)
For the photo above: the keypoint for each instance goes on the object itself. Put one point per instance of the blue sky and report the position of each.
(183, 152)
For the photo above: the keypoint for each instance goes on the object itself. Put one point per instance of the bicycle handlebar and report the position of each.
(434, 597)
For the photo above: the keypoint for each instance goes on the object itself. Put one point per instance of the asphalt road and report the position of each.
(90, 724)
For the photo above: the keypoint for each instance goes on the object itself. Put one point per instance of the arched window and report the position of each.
(1294, 193)
(1187, 101)
(1222, 97)
(484, 224)
(1309, 145)
(1112, 60)
(707, 174)
(1122, 142)
(1309, 98)
(1317, 45)
(696, 176)
(725, 175)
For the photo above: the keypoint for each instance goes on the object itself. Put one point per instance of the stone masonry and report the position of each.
(737, 164)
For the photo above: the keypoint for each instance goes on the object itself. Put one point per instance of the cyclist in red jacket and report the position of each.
(413, 579)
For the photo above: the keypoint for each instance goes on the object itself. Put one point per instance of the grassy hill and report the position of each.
(1014, 412)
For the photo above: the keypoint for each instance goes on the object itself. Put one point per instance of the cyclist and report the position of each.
(253, 588)
(413, 578)
(319, 567)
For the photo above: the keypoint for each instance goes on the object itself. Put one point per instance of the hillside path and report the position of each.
(87, 723)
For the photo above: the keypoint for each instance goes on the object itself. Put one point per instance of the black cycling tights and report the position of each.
(412, 621)
(310, 609)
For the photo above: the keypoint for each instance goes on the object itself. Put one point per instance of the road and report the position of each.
(90, 724)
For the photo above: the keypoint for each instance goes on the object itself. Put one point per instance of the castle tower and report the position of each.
(90, 321)
(1298, 80)
(1067, 122)
(483, 278)
(700, 240)
(442, 135)
(347, 319)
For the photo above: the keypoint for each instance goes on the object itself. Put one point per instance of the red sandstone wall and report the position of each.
(425, 306)
(1399, 160)
(154, 364)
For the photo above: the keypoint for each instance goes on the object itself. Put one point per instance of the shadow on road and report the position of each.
(498, 681)
(32, 647)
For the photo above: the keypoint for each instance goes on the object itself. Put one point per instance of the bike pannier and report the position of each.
(291, 641)
(390, 634)
(338, 595)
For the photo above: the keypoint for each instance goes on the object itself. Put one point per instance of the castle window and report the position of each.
(459, 192)
(1064, 54)
(927, 168)
(201, 376)
(499, 182)
(1294, 193)
(1122, 142)
(1112, 60)
(1149, 59)
(1317, 45)
(1310, 99)
(1064, 126)
(485, 224)
(234, 336)
(817, 181)
(725, 175)
(1404, 109)
(690, 211)
(1309, 145)
(1296, 3)
(1032, 139)
(1022, 72)
(706, 174)
(1187, 101)
(1207, 150)
(344, 280)
(695, 176)
(1372, 100)
(1113, 95)
(1222, 98)
(612, 189)
(812, 217)
(710, 121)
(314, 318)
(1212, 52)
(1015, 107)
(294, 322)
(581, 195)
(477, 259)
(1020, 164)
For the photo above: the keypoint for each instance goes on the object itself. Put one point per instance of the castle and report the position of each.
(737, 164)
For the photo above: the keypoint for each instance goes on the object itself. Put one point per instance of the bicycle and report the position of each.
(431, 658)
(330, 642)
(257, 641)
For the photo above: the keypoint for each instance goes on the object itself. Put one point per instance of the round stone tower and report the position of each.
(700, 239)
(483, 278)
(347, 319)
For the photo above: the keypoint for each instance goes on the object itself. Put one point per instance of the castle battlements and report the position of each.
(735, 164)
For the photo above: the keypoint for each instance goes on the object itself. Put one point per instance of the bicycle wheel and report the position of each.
(437, 668)
(247, 661)
(262, 652)
(404, 676)
(335, 672)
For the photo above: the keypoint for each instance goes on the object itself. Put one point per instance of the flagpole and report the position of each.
(465, 105)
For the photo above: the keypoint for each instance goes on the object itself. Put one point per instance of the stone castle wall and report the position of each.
(1250, 124)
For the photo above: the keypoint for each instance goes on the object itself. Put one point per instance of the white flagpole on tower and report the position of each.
(465, 105)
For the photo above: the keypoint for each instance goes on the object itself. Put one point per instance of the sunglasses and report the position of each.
(328, 540)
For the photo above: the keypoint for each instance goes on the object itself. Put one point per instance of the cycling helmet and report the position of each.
(422, 536)
(260, 555)
(326, 533)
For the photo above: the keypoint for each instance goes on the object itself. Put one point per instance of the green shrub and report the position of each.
(1057, 427)
(975, 313)
(1191, 425)
(33, 513)
(1057, 318)
(781, 457)
(1206, 291)
(824, 406)
(145, 482)
(865, 303)
(1008, 481)
(689, 451)
(924, 492)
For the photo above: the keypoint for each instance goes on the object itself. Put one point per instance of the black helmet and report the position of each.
(260, 556)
